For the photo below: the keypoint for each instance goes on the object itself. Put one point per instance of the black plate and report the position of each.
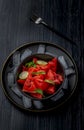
(17, 57)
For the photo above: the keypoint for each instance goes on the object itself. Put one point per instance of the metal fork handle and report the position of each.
(58, 33)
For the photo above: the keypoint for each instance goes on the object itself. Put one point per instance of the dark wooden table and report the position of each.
(15, 29)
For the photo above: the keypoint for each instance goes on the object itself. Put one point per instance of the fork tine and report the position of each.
(34, 17)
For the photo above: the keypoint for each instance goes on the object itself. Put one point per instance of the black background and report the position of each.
(15, 30)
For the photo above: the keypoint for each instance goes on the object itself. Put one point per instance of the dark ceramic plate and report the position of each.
(43, 50)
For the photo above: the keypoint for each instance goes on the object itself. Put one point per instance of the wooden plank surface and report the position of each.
(15, 29)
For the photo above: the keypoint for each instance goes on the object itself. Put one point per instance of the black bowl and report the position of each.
(44, 57)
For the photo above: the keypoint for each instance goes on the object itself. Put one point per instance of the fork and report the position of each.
(39, 20)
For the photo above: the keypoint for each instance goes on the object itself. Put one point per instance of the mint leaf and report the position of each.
(39, 91)
(30, 64)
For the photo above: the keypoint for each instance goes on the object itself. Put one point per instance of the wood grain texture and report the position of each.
(15, 29)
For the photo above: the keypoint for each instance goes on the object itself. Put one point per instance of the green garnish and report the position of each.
(39, 91)
(30, 64)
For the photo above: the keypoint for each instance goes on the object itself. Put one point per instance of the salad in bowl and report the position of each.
(40, 78)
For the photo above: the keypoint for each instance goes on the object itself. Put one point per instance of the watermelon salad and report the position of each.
(40, 78)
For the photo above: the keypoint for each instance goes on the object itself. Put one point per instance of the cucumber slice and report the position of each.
(49, 81)
(41, 62)
(23, 75)
(39, 72)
